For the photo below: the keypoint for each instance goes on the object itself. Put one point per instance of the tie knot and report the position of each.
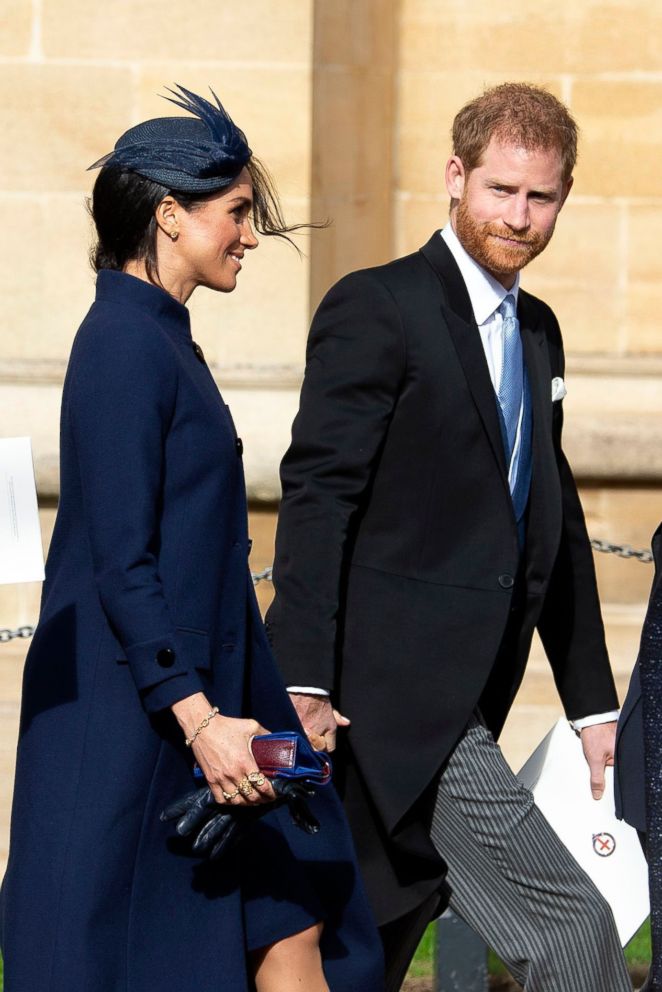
(508, 307)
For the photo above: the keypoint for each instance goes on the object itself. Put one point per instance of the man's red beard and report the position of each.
(482, 242)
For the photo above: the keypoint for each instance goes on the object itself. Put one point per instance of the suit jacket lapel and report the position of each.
(466, 340)
(545, 494)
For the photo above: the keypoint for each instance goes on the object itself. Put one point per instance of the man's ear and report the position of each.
(456, 177)
(566, 189)
(166, 216)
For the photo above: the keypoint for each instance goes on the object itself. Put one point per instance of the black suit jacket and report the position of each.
(397, 560)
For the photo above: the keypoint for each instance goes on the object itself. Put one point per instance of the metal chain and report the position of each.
(623, 551)
(266, 575)
(9, 635)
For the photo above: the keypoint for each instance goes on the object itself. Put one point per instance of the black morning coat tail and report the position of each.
(397, 563)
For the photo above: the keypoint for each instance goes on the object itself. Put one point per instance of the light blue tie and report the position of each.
(512, 373)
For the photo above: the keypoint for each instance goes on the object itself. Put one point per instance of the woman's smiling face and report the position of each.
(212, 238)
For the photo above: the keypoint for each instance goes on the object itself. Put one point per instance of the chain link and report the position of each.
(623, 551)
(9, 635)
(266, 575)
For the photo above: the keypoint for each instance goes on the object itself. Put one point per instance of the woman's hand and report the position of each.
(222, 750)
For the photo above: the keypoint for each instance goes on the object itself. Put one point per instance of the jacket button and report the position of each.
(166, 657)
(506, 581)
(249, 546)
(239, 445)
(199, 353)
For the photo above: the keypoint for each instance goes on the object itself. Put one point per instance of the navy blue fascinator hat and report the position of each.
(195, 155)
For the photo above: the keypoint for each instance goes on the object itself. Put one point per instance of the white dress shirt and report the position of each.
(486, 295)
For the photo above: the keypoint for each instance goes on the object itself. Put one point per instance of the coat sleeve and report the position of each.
(120, 401)
(354, 365)
(570, 624)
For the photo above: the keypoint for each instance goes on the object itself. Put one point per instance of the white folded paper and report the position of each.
(21, 553)
(606, 848)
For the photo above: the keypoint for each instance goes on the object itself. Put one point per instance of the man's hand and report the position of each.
(319, 719)
(599, 743)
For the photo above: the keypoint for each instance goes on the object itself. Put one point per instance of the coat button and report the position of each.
(506, 581)
(199, 353)
(239, 445)
(166, 657)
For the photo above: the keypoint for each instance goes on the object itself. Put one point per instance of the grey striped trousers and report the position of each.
(515, 883)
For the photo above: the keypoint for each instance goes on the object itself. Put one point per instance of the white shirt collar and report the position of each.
(485, 293)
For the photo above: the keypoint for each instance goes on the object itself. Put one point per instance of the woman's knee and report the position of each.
(304, 941)
(299, 944)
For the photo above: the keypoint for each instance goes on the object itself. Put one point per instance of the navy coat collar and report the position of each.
(121, 288)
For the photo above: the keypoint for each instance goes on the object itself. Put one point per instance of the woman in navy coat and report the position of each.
(638, 778)
(149, 621)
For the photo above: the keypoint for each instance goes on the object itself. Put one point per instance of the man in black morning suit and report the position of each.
(429, 523)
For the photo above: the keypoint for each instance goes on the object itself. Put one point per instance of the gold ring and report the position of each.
(256, 778)
(229, 796)
(245, 787)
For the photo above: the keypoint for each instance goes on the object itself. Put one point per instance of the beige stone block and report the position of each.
(643, 321)
(415, 219)
(45, 279)
(263, 418)
(264, 30)
(56, 120)
(523, 37)
(359, 236)
(590, 321)
(622, 515)
(355, 32)
(644, 255)
(352, 131)
(16, 27)
(586, 247)
(621, 126)
(427, 104)
(272, 105)
(265, 320)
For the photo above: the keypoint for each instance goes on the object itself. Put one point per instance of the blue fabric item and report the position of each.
(190, 155)
(514, 394)
(147, 599)
(521, 483)
(511, 383)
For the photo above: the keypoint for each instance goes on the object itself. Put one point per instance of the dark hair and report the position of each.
(516, 114)
(123, 206)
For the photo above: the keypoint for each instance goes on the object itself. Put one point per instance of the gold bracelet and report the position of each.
(205, 723)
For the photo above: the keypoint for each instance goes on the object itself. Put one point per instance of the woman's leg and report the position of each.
(293, 964)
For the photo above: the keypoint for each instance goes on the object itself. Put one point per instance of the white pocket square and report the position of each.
(558, 389)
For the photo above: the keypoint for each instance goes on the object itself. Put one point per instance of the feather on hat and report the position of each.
(200, 154)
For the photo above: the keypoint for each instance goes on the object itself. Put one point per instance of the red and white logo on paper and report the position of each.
(604, 844)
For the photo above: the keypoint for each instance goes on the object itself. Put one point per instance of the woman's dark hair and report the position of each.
(123, 206)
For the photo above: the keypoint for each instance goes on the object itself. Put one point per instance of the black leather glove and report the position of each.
(295, 792)
(216, 828)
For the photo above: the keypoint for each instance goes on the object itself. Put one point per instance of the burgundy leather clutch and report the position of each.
(289, 755)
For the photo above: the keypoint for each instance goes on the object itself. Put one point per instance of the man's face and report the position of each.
(507, 206)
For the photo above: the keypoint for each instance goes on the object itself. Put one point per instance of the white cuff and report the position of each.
(592, 721)
(308, 690)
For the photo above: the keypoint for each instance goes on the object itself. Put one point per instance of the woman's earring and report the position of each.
(174, 235)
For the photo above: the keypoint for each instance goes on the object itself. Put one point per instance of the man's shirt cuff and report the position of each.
(592, 721)
(308, 690)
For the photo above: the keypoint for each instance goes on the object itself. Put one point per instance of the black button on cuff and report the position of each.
(506, 581)
(239, 445)
(199, 353)
(165, 657)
